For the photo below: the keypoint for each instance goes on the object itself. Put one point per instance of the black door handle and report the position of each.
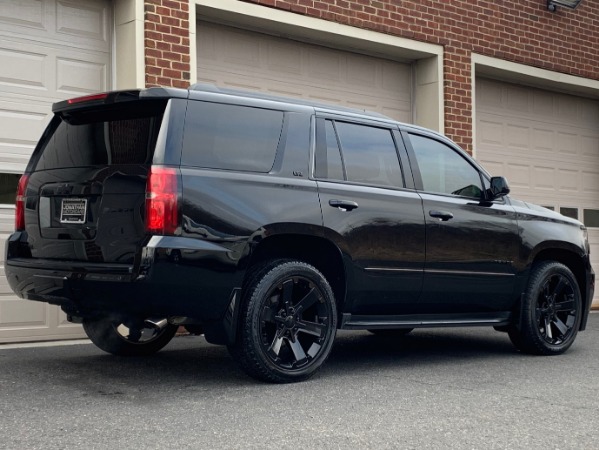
(343, 205)
(441, 215)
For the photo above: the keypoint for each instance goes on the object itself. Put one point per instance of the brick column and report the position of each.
(166, 41)
(457, 68)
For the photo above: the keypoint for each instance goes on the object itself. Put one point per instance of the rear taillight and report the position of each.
(162, 215)
(20, 203)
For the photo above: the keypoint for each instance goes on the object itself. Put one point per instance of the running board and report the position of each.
(354, 322)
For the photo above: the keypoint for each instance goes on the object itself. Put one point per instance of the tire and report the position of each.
(392, 332)
(287, 324)
(136, 339)
(551, 311)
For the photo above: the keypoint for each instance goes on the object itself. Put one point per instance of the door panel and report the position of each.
(384, 239)
(470, 243)
(470, 263)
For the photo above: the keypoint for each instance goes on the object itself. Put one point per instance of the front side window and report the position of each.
(231, 137)
(443, 170)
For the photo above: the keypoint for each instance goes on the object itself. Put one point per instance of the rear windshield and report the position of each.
(111, 135)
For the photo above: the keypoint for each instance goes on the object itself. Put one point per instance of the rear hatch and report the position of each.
(87, 179)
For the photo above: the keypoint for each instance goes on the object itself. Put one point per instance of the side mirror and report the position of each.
(499, 188)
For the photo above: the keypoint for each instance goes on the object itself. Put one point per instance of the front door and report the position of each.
(470, 244)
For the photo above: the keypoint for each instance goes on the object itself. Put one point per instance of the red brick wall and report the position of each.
(523, 31)
(167, 43)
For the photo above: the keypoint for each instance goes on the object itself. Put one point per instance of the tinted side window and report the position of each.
(231, 137)
(443, 170)
(369, 154)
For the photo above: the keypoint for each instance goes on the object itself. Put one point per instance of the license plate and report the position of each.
(73, 210)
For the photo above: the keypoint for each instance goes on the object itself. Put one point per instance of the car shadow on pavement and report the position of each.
(189, 363)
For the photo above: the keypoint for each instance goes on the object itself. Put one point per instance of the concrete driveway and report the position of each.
(452, 388)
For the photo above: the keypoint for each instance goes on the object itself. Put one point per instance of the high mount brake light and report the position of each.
(87, 98)
(20, 203)
(162, 214)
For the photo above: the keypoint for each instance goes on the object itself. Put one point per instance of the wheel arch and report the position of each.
(317, 251)
(573, 261)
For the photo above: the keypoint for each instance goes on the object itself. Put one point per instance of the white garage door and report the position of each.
(547, 145)
(230, 57)
(49, 50)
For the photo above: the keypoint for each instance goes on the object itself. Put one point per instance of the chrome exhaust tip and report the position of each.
(158, 323)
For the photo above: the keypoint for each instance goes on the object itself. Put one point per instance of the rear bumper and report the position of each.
(177, 277)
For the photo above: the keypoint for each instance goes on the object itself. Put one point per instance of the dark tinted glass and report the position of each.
(104, 137)
(369, 155)
(443, 170)
(231, 137)
(570, 212)
(8, 188)
(591, 217)
(334, 165)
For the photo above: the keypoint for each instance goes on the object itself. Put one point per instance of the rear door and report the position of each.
(471, 245)
(371, 214)
(86, 191)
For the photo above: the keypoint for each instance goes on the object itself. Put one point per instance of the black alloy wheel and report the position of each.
(551, 311)
(288, 323)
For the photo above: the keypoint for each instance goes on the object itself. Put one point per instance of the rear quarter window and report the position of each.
(231, 137)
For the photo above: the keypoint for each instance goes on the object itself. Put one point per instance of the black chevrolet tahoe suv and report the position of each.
(268, 223)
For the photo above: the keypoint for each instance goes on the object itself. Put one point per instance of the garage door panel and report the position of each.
(518, 136)
(395, 78)
(589, 145)
(21, 123)
(517, 99)
(20, 68)
(543, 139)
(566, 143)
(231, 57)
(284, 57)
(544, 178)
(519, 175)
(590, 182)
(569, 181)
(568, 108)
(18, 313)
(23, 13)
(79, 24)
(42, 72)
(77, 76)
(491, 132)
(541, 104)
(82, 20)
